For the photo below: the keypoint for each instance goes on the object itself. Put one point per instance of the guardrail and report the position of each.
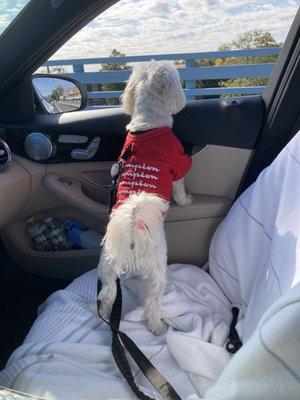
(189, 70)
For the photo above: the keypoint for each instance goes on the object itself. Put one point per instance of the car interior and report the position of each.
(231, 140)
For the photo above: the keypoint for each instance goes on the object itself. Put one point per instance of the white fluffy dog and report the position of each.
(135, 240)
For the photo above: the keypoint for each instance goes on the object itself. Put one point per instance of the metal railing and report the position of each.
(189, 70)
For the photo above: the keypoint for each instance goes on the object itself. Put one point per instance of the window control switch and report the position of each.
(65, 181)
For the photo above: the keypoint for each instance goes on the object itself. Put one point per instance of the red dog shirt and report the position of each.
(157, 159)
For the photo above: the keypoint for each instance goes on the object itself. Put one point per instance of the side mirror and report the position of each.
(59, 94)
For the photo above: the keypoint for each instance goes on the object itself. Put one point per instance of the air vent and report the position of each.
(5, 155)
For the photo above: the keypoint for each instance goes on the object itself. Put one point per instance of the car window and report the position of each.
(221, 48)
(9, 9)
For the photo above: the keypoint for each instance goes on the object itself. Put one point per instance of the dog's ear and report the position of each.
(167, 78)
(128, 97)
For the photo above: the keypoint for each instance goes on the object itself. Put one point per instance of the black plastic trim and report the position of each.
(231, 123)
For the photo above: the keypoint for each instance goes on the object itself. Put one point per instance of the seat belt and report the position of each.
(162, 386)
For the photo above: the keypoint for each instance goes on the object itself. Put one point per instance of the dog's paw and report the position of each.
(92, 307)
(184, 201)
(105, 306)
(103, 310)
(157, 327)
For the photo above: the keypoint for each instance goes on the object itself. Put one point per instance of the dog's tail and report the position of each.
(134, 228)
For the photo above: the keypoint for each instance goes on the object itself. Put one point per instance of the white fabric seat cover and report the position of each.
(254, 263)
(255, 259)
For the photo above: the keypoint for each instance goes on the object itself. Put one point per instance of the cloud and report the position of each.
(175, 26)
(9, 9)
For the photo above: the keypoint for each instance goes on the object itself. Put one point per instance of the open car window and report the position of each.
(213, 59)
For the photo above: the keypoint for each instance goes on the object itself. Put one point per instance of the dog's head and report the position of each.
(154, 85)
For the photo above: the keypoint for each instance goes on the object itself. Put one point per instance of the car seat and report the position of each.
(254, 258)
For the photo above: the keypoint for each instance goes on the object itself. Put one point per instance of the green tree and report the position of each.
(248, 40)
(116, 66)
(57, 93)
(209, 83)
(56, 70)
(256, 38)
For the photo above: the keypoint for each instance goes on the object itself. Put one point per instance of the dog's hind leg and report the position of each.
(156, 279)
(108, 277)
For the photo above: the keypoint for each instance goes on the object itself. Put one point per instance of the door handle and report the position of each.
(70, 192)
(89, 152)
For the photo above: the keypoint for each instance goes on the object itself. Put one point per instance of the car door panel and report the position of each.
(15, 189)
(229, 122)
(219, 134)
(70, 192)
(40, 198)
(60, 264)
(63, 151)
(41, 202)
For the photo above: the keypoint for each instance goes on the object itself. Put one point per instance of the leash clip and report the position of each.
(232, 346)
(116, 169)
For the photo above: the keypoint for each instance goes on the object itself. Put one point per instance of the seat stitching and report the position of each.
(276, 276)
(212, 256)
(255, 220)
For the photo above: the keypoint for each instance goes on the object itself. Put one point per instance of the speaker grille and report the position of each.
(5, 155)
(38, 146)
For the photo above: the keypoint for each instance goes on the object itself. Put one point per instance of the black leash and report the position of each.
(116, 171)
(162, 386)
(234, 343)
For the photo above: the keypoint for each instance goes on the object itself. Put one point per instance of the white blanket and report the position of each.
(255, 263)
(67, 352)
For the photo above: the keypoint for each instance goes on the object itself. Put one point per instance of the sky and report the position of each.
(8, 10)
(137, 27)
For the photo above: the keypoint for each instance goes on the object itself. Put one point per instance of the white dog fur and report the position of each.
(135, 240)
